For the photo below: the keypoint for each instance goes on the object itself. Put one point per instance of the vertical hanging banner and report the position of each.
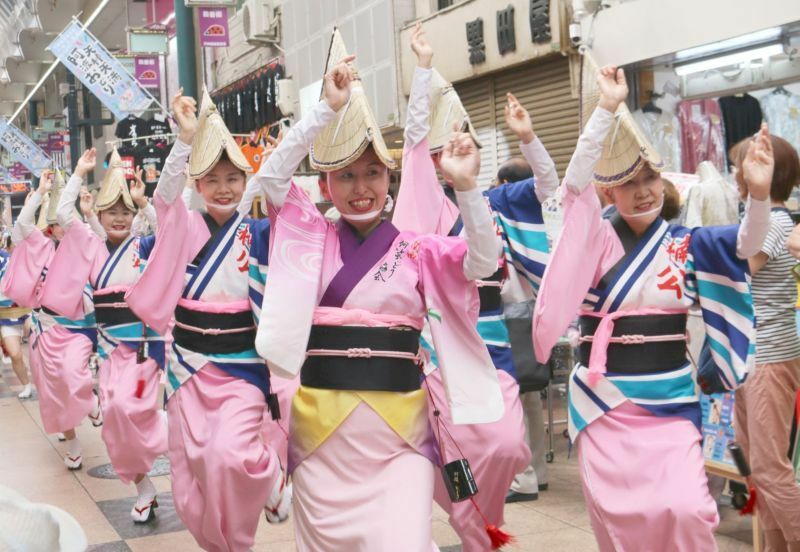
(213, 27)
(22, 148)
(148, 71)
(99, 71)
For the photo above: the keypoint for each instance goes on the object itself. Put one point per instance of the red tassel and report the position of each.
(139, 389)
(498, 537)
(750, 506)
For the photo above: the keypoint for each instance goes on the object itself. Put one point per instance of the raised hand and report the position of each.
(86, 163)
(86, 202)
(460, 161)
(613, 87)
(759, 165)
(184, 109)
(270, 145)
(137, 189)
(518, 119)
(336, 85)
(45, 183)
(420, 47)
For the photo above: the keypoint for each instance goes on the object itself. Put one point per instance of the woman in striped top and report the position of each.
(765, 404)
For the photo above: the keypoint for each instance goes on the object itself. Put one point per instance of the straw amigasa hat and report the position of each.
(114, 186)
(55, 196)
(212, 140)
(354, 128)
(41, 220)
(626, 149)
(446, 110)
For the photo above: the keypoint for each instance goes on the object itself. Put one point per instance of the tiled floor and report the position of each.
(30, 463)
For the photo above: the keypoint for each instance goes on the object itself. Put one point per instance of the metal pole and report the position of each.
(187, 63)
(72, 119)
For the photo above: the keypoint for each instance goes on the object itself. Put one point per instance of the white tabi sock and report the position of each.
(147, 492)
(74, 447)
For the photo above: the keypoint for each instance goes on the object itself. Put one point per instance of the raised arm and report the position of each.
(173, 176)
(460, 163)
(758, 167)
(519, 121)
(26, 220)
(65, 212)
(87, 209)
(146, 215)
(274, 178)
(419, 101)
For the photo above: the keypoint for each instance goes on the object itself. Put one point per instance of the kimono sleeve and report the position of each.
(720, 283)
(75, 261)
(518, 214)
(257, 265)
(25, 268)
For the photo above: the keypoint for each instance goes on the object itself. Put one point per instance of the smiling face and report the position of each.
(222, 188)
(116, 221)
(642, 194)
(360, 188)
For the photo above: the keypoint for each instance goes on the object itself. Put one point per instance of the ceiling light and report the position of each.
(766, 35)
(730, 59)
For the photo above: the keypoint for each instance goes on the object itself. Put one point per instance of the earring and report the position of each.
(389, 205)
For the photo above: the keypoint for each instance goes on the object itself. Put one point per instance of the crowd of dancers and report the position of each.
(353, 372)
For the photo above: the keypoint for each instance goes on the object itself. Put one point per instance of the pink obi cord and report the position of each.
(213, 331)
(602, 337)
(363, 353)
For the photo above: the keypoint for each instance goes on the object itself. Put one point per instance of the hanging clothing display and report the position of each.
(663, 129)
(157, 125)
(712, 201)
(781, 109)
(742, 117)
(131, 127)
(702, 135)
(250, 103)
(150, 158)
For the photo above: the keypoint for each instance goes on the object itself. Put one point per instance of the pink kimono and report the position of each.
(361, 448)
(210, 279)
(60, 347)
(133, 430)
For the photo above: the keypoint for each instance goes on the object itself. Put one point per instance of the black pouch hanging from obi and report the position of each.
(459, 480)
(274, 406)
(141, 351)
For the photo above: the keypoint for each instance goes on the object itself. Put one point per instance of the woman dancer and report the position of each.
(352, 298)
(633, 404)
(12, 327)
(132, 355)
(60, 347)
(207, 270)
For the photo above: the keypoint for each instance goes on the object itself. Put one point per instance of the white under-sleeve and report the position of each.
(97, 228)
(419, 107)
(173, 178)
(65, 212)
(26, 220)
(145, 221)
(186, 196)
(250, 193)
(543, 167)
(483, 243)
(589, 150)
(274, 178)
(754, 228)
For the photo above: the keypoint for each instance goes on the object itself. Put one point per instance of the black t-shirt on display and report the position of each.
(156, 127)
(151, 159)
(742, 118)
(131, 127)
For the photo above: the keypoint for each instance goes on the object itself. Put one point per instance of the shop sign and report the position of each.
(477, 48)
(213, 27)
(148, 71)
(99, 71)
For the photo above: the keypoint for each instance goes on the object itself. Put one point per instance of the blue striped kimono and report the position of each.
(671, 268)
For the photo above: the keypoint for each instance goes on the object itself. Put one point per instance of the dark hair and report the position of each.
(786, 176)
(514, 170)
(672, 201)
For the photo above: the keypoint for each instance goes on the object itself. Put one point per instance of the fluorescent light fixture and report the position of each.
(736, 43)
(55, 64)
(730, 59)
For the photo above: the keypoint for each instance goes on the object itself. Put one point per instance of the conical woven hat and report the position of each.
(446, 110)
(626, 150)
(114, 186)
(354, 128)
(41, 220)
(55, 197)
(211, 140)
